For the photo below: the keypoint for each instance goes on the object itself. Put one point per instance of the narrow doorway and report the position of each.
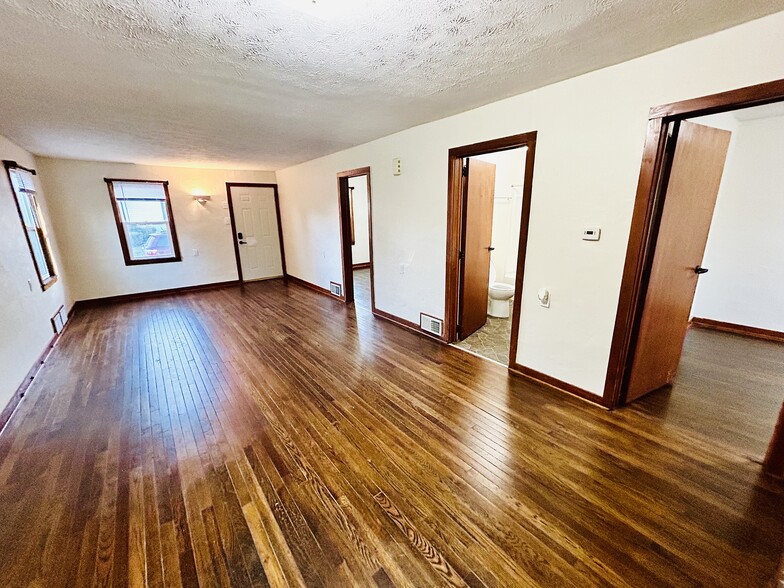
(708, 337)
(356, 232)
(254, 211)
(490, 187)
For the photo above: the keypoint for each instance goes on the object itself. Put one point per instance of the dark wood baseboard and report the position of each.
(365, 265)
(92, 302)
(557, 384)
(754, 332)
(410, 325)
(9, 409)
(311, 286)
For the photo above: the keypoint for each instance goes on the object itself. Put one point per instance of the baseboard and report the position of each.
(9, 409)
(754, 332)
(311, 286)
(556, 384)
(365, 265)
(92, 302)
(409, 325)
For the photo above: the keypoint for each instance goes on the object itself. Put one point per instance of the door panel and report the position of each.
(478, 197)
(256, 219)
(697, 167)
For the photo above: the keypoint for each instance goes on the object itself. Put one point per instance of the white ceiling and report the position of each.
(264, 84)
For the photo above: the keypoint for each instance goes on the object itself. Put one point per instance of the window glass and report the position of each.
(146, 227)
(24, 190)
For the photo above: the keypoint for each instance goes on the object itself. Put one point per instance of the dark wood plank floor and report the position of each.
(271, 436)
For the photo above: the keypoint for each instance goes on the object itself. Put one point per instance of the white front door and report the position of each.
(256, 222)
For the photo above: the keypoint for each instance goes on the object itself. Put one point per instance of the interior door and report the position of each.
(478, 197)
(256, 224)
(697, 167)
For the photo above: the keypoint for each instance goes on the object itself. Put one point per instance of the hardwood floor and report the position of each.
(362, 289)
(269, 435)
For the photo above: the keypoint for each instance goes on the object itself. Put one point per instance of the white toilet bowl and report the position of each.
(498, 296)
(498, 299)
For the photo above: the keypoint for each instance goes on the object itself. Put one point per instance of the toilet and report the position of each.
(499, 295)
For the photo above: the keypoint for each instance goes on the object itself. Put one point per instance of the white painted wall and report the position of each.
(25, 328)
(360, 252)
(88, 235)
(507, 210)
(591, 134)
(745, 249)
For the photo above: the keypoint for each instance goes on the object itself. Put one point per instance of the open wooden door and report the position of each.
(695, 175)
(478, 197)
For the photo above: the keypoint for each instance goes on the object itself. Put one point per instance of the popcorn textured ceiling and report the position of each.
(264, 84)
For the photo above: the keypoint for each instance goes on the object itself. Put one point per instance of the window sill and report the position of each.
(48, 283)
(130, 262)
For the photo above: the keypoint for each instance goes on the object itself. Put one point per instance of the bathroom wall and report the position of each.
(360, 252)
(507, 209)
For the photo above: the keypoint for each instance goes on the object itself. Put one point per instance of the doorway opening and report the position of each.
(356, 237)
(254, 213)
(487, 231)
(709, 198)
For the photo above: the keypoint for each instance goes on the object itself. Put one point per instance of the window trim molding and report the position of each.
(121, 233)
(45, 283)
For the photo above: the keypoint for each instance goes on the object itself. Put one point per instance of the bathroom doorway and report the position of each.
(489, 205)
(356, 233)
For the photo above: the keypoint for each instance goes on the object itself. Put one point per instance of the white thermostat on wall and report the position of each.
(592, 234)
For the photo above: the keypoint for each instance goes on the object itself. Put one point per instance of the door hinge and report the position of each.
(459, 332)
(465, 170)
(461, 255)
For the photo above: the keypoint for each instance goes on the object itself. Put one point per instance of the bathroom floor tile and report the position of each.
(492, 340)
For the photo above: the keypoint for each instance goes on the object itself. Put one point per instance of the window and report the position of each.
(143, 213)
(26, 204)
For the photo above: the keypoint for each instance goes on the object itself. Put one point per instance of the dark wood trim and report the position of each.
(365, 265)
(629, 303)
(43, 239)
(455, 228)
(20, 392)
(406, 324)
(311, 286)
(121, 233)
(135, 181)
(556, 384)
(229, 186)
(746, 97)
(649, 200)
(120, 298)
(754, 332)
(774, 458)
(344, 215)
(234, 240)
(9, 164)
(280, 229)
(522, 249)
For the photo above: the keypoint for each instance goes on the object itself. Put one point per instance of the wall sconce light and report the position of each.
(201, 198)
